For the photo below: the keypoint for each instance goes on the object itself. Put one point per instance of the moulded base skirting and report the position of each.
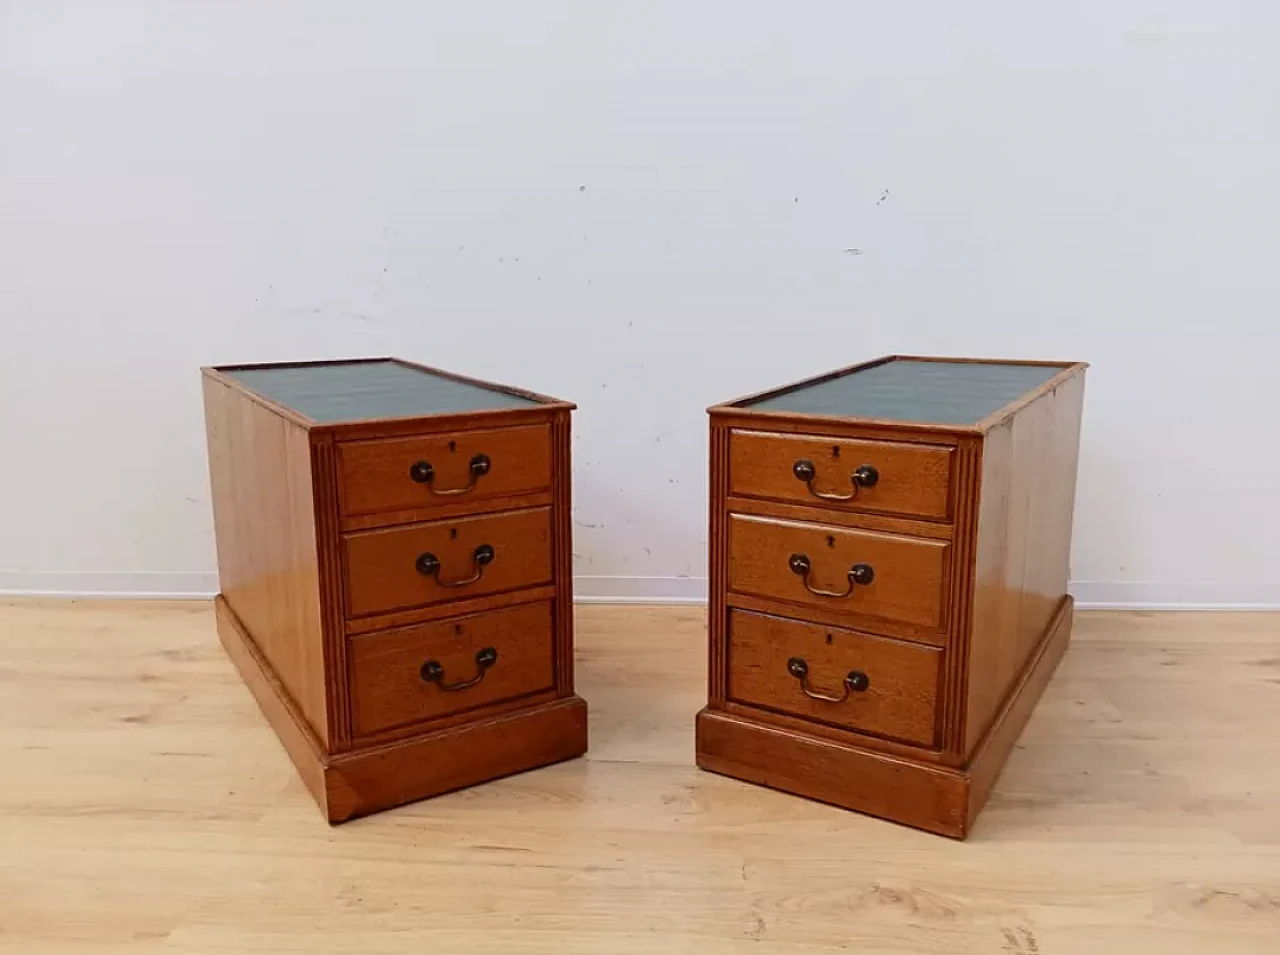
(362, 781)
(1089, 594)
(924, 795)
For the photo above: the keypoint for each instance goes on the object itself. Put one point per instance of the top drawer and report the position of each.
(428, 470)
(886, 477)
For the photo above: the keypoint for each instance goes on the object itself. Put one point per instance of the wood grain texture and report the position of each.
(562, 548)
(914, 479)
(324, 483)
(265, 523)
(387, 687)
(483, 750)
(867, 522)
(1023, 543)
(910, 573)
(929, 797)
(900, 700)
(147, 808)
(381, 574)
(315, 518)
(718, 568)
(375, 475)
(969, 556)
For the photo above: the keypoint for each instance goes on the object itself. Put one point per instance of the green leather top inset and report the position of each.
(354, 391)
(927, 392)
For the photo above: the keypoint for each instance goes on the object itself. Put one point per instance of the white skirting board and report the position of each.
(1089, 594)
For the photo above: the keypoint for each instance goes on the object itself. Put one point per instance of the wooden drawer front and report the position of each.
(913, 480)
(390, 568)
(433, 469)
(907, 574)
(435, 669)
(869, 684)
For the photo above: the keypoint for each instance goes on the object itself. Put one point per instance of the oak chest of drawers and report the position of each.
(888, 570)
(394, 556)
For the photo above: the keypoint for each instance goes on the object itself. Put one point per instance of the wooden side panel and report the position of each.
(264, 514)
(1023, 545)
(260, 474)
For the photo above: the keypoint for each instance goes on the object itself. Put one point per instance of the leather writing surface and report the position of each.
(375, 389)
(933, 392)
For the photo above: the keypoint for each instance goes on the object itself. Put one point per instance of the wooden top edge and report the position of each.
(735, 406)
(404, 362)
(492, 417)
(541, 403)
(762, 419)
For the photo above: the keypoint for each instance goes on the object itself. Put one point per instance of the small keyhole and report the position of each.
(453, 533)
(457, 630)
(831, 541)
(835, 450)
(828, 639)
(453, 446)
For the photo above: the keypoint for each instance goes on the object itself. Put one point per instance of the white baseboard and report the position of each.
(1175, 595)
(145, 585)
(640, 590)
(1089, 594)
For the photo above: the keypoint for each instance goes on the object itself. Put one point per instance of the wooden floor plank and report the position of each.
(146, 807)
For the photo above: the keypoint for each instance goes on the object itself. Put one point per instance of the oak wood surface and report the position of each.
(900, 699)
(1023, 542)
(909, 584)
(388, 690)
(914, 480)
(925, 796)
(382, 575)
(375, 474)
(858, 519)
(147, 808)
(265, 521)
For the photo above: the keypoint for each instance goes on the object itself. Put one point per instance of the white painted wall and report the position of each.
(642, 207)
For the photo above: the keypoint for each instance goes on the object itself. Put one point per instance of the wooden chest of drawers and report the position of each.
(888, 571)
(394, 555)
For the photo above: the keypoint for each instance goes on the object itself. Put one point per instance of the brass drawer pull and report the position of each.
(428, 565)
(424, 473)
(854, 682)
(865, 476)
(433, 671)
(858, 574)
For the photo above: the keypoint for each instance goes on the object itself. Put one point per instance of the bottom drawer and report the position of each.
(434, 669)
(870, 684)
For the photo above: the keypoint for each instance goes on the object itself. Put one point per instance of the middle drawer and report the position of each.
(841, 569)
(412, 565)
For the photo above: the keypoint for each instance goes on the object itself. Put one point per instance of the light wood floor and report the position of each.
(145, 807)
